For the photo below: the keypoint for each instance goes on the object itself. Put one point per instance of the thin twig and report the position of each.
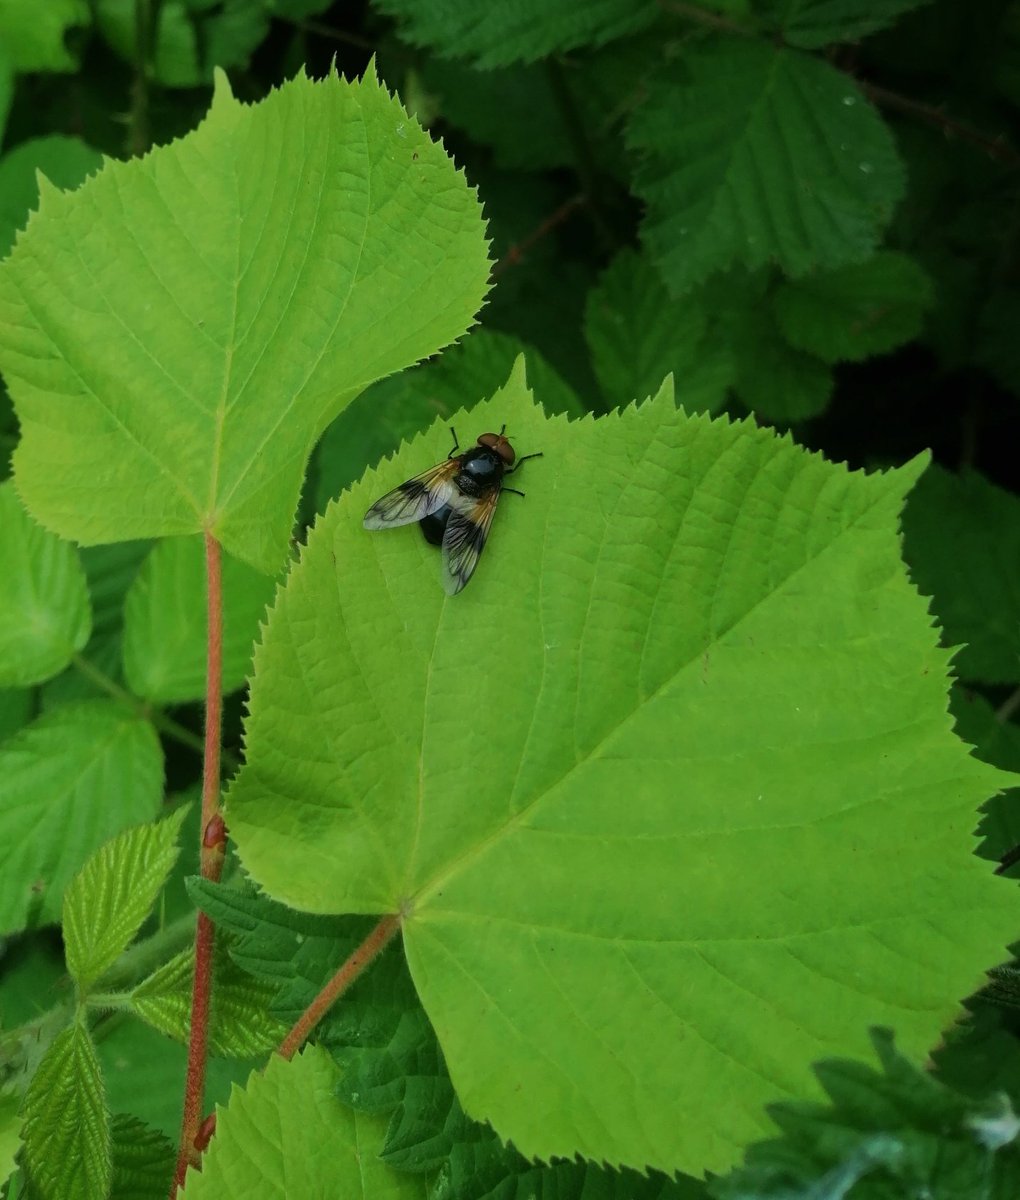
(516, 252)
(369, 949)
(211, 859)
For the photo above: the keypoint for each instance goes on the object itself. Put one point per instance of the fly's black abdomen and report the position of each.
(434, 525)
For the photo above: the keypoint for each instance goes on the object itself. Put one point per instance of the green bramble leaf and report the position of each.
(962, 541)
(775, 380)
(760, 155)
(32, 34)
(143, 1160)
(852, 312)
(252, 296)
(241, 1025)
(112, 894)
(65, 161)
(10, 1132)
(69, 782)
(892, 1132)
(67, 1150)
(396, 409)
(6, 88)
(499, 34)
(719, 933)
(165, 622)
(286, 1136)
(638, 335)
(996, 740)
(812, 24)
(43, 597)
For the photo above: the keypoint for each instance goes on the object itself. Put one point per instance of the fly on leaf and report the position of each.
(454, 503)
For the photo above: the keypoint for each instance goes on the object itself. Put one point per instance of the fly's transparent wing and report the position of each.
(466, 532)
(416, 498)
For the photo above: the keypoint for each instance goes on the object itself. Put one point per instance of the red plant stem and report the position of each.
(516, 252)
(369, 949)
(211, 860)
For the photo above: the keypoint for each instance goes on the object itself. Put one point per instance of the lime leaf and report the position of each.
(65, 161)
(499, 34)
(855, 311)
(638, 335)
(32, 34)
(962, 541)
(894, 1132)
(165, 622)
(10, 1133)
(69, 782)
(67, 1124)
(252, 296)
(286, 1135)
(679, 599)
(396, 409)
(6, 88)
(761, 155)
(241, 1026)
(143, 1161)
(43, 597)
(111, 896)
(812, 24)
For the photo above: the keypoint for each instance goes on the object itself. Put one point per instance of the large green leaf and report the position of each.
(494, 35)
(855, 311)
(761, 155)
(165, 622)
(69, 782)
(67, 1153)
(43, 598)
(812, 24)
(287, 1136)
(962, 541)
(668, 798)
(996, 739)
(179, 383)
(64, 161)
(143, 1161)
(638, 335)
(111, 896)
(32, 34)
(6, 88)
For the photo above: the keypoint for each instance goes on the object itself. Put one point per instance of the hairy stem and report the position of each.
(369, 950)
(212, 849)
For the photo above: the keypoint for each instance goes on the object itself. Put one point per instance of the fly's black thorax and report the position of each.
(481, 469)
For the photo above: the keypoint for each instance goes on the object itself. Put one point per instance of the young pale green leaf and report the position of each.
(811, 24)
(638, 335)
(496, 35)
(242, 1026)
(669, 794)
(111, 896)
(760, 155)
(10, 1132)
(855, 311)
(33, 35)
(67, 1153)
(143, 1161)
(286, 1135)
(894, 1132)
(69, 782)
(962, 541)
(269, 266)
(165, 622)
(65, 161)
(396, 409)
(43, 597)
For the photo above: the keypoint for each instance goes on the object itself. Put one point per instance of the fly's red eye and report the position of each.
(497, 442)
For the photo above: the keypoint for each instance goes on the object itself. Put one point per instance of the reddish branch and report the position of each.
(212, 849)
(369, 950)
(517, 251)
